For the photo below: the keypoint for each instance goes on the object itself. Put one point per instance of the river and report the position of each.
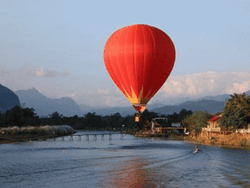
(121, 162)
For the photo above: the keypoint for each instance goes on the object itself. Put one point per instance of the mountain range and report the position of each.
(45, 106)
(8, 99)
(210, 106)
(66, 106)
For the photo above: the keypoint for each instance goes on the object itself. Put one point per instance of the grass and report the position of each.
(234, 140)
(17, 134)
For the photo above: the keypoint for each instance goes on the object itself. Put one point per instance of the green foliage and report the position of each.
(189, 121)
(236, 112)
(146, 117)
(2, 123)
(93, 120)
(196, 121)
(179, 117)
(56, 118)
(129, 122)
(233, 118)
(184, 113)
(114, 121)
(201, 120)
(79, 123)
(18, 116)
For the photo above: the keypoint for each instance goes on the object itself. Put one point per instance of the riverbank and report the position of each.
(169, 136)
(30, 133)
(233, 140)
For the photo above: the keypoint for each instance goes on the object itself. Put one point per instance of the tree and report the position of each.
(114, 121)
(189, 122)
(196, 121)
(2, 123)
(146, 116)
(80, 123)
(56, 118)
(201, 120)
(233, 119)
(236, 113)
(18, 116)
(184, 113)
(128, 121)
(92, 120)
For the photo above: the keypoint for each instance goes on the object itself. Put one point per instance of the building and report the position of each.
(163, 126)
(213, 124)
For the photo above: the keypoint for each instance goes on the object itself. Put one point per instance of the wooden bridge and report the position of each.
(87, 136)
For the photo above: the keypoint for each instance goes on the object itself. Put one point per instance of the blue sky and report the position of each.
(57, 46)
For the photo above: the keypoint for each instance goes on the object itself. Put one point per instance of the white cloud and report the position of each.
(204, 84)
(41, 72)
(190, 85)
(103, 91)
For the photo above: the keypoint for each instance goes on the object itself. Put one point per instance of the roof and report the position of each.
(215, 118)
(161, 123)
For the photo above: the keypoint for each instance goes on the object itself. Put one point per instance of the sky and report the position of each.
(57, 46)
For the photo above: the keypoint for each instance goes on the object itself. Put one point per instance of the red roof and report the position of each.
(215, 118)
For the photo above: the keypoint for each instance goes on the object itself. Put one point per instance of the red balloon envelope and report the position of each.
(139, 59)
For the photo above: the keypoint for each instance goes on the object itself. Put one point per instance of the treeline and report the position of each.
(20, 117)
(235, 115)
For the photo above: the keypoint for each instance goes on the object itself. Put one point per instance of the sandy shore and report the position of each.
(23, 134)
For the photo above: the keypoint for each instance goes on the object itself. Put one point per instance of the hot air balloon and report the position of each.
(139, 59)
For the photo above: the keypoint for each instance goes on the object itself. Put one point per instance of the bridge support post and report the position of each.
(102, 137)
(122, 137)
(87, 137)
(95, 137)
(110, 136)
(79, 137)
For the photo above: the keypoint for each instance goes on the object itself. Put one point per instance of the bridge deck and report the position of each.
(95, 134)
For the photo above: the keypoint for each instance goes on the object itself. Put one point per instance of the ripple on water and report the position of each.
(128, 162)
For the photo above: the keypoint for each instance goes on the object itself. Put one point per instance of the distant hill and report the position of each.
(215, 98)
(44, 106)
(86, 108)
(210, 106)
(124, 111)
(68, 107)
(248, 92)
(223, 97)
(8, 99)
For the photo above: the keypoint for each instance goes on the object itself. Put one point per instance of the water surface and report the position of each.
(127, 162)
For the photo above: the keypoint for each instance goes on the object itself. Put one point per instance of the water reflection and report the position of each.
(131, 174)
